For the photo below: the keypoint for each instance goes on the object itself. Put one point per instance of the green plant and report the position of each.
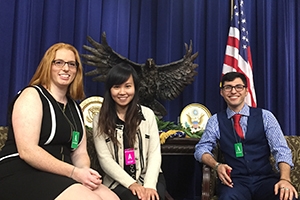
(167, 125)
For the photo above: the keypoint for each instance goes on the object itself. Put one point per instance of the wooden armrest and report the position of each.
(205, 182)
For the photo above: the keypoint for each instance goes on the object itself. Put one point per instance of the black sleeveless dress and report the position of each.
(18, 180)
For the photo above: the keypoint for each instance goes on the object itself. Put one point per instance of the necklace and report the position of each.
(64, 104)
(62, 108)
(67, 118)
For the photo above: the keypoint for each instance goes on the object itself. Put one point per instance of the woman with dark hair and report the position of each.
(127, 139)
(45, 155)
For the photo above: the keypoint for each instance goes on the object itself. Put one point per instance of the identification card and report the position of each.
(75, 139)
(238, 149)
(129, 157)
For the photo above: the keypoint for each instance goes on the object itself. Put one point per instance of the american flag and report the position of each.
(238, 53)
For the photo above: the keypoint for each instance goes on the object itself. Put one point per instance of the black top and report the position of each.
(56, 127)
(130, 169)
(19, 180)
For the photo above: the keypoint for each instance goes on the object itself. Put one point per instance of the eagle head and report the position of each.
(150, 64)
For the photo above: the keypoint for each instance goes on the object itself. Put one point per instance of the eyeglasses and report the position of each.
(61, 63)
(238, 88)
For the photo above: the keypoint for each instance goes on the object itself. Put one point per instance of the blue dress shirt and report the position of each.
(274, 135)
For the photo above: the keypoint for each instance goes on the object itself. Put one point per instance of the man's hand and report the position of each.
(286, 190)
(223, 171)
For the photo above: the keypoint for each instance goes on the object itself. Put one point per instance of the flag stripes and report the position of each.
(238, 54)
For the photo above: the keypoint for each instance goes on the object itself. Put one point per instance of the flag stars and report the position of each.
(242, 3)
(241, 57)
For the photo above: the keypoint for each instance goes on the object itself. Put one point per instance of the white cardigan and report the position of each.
(147, 163)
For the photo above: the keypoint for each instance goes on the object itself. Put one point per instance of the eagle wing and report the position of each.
(103, 57)
(164, 82)
(175, 76)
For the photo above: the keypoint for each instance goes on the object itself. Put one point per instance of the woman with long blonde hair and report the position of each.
(45, 156)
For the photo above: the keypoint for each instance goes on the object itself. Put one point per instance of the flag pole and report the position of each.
(238, 53)
(231, 8)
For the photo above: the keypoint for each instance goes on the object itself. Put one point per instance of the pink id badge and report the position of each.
(129, 157)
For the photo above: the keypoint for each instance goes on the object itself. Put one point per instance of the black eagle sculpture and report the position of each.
(157, 82)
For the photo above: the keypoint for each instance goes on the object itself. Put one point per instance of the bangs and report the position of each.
(117, 77)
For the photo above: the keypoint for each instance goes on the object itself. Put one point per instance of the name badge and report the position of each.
(75, 139)
(238, 149)
(129, 156)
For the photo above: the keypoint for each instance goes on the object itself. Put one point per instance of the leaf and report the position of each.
(167, 125)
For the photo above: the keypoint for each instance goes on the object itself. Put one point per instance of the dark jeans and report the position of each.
(250, 188)
(126, 194)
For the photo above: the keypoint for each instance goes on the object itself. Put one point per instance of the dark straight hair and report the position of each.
(119, 74)
(230, 76)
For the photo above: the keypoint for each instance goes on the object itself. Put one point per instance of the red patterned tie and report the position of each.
(237, 126)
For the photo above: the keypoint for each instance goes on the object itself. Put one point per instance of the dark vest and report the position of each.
(255, 146)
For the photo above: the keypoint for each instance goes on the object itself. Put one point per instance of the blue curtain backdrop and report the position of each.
(158, 29)
(140, 29)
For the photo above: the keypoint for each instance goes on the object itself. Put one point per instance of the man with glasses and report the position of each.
(246, 137)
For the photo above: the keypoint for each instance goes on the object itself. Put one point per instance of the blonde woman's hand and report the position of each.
(88, 177)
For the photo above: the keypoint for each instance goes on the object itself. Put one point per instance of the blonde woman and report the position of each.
(45, 156)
